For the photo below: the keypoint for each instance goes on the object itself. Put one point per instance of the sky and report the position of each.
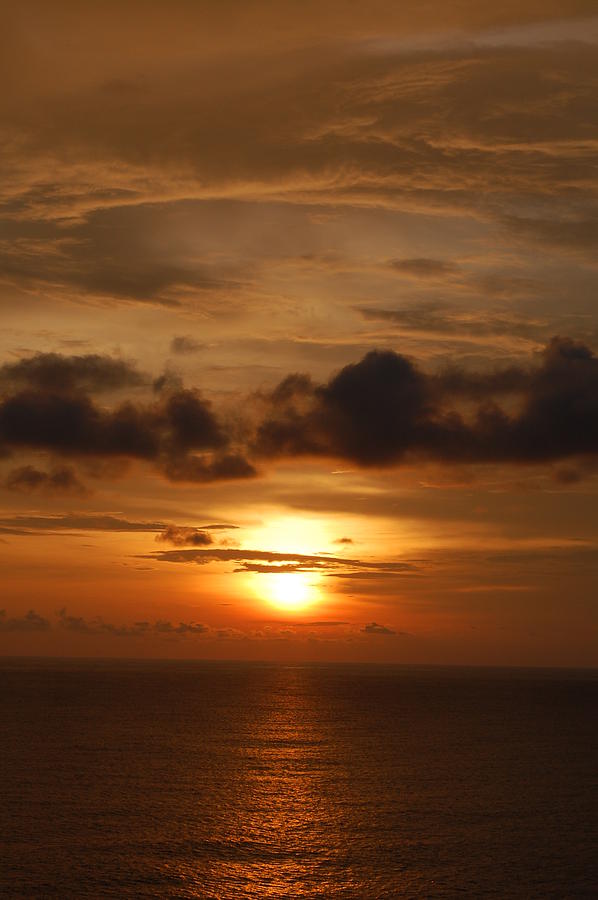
(299, 345)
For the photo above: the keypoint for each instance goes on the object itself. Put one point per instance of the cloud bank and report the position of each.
(381, 411)
(384, 410)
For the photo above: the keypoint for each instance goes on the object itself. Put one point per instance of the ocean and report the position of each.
(229, 780)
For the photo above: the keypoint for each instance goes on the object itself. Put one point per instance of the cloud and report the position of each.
(60, 480)
(227, 467)
(169, 431)
(567, 475)
(374, 628)
(24, 525)
(182, 628)
(72, 424)
(168, 382)
(366, 413)
(185, 344)
(97, 626)
(181, 536)
(430, 318)
(79, 522)
(384, 410)
(359, 414)
(473, 121)
(219, 526)
(482, 386)
(31, 621)
(267, 562)
(423, 267)
(55, 372)
(108, 255)
(577, 234)
(563, 558)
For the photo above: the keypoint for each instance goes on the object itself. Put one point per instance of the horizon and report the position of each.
(182, 660)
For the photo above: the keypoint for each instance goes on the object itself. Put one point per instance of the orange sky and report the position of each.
(299, 331)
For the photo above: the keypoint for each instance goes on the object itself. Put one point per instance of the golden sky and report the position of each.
(299, 325)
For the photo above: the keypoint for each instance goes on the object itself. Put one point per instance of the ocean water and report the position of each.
(218, 780)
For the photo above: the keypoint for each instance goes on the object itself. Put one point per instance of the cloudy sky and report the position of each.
(299, 330)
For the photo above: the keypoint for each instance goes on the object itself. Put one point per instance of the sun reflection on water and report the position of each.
(278, 828)
(283, 796)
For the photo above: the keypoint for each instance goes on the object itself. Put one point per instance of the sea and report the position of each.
(138, 779)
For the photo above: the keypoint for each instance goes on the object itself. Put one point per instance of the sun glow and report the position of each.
(277, 581)
(291, 591)
(290, 534)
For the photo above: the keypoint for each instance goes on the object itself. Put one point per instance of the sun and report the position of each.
(292, 591)
(290, 580)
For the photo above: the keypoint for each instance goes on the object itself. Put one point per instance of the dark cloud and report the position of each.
(191, 423)
(185, 344)
(181, 629)
(31, 524)
(60, 480)
(94, 626)
(482, 386)
(567, 475)
(181, 536)
(97, 626)
(422, 267)
(383, 409)
(195, 469)
(80, 522)
(219, 526)
(108, 254)
(366, 412)
(374, 628)
(344, 540)
(267, 562)
(560, 415)
(55, 372)
(379, 411)
(576, 234)
(168, 432)
(168, 382)
(568, 553)
(18, 532)
(31, 621)
(442, 319)
(74, 425)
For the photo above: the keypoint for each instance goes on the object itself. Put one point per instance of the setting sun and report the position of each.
(290, 590)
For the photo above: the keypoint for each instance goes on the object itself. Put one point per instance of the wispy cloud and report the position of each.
(270, 561)
(31, 621)
(374, 628)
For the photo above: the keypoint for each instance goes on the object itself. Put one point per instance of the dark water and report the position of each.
(233, 781)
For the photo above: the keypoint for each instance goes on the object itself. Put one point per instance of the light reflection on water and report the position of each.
(232, 781)
(290, 825)
(281, 826)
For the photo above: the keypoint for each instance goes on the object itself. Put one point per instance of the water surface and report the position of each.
(217, 780)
